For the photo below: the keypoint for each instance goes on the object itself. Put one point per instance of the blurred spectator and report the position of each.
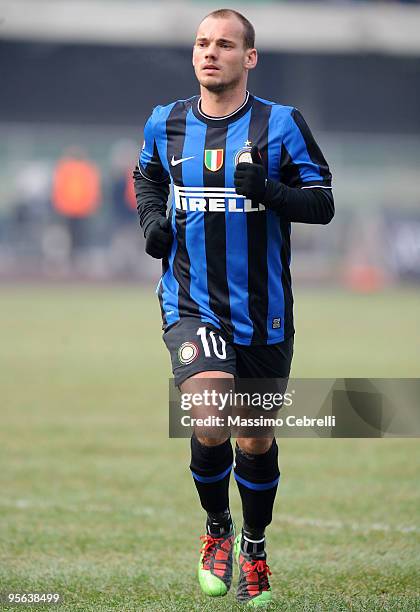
(125, 251)
(31, 205)
(76, 193)
(122, 158)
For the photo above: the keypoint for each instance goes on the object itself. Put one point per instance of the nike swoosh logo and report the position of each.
(175, 162)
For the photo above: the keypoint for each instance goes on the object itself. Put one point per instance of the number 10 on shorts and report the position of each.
(220, 354)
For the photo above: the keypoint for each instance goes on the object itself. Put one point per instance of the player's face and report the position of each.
(220, 60)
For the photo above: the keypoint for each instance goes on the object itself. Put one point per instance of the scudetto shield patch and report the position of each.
(213, 159)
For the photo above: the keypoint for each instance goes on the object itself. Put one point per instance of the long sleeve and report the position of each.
(295, 204)
(151, 199)
(304, 193)
(151, 179)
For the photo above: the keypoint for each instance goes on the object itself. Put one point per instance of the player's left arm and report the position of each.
(304, 194)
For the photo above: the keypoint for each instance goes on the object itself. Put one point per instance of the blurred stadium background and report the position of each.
(88, 506)
(80, 78)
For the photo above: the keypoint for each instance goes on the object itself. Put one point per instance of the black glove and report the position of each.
(251, 179)
(159, 238)
(289, 203)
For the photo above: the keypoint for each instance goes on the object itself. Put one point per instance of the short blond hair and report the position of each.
(249, 32)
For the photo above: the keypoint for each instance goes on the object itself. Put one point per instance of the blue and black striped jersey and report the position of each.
(230, 259)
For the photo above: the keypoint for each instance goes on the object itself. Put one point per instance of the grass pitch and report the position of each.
(98, 505)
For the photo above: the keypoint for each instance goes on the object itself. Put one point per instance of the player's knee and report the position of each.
(211, 441)
(255, 446)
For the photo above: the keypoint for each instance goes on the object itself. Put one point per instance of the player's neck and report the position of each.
(221, 104)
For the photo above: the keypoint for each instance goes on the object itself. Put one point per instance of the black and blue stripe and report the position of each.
(230, 268)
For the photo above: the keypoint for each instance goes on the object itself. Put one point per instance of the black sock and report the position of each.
(210, 467)
(257, 477)
(253, 542)
(219, 523)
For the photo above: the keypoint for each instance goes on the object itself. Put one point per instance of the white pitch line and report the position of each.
(28, 504)
(353, 526)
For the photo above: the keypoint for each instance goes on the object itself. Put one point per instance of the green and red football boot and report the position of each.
(253, 585)
(215, 565)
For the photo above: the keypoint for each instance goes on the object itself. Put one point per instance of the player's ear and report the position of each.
(251, 59)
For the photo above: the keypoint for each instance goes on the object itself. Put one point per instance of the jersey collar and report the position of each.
(222, 121)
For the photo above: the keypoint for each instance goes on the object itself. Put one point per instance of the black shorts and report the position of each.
(195, 347)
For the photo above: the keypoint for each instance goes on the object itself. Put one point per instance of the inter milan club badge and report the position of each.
(213, 159)
(244, 154)
(188, 352)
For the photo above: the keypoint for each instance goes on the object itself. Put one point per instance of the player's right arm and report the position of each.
(151, 186)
